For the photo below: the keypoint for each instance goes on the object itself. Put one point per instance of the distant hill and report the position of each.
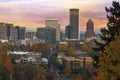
(82, 35)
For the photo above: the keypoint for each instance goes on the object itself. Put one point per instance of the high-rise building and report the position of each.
(53, 23)
(8, 32)
(13, 36)
(74, 21)
(48, 34)
(30, 34)
(3, 31)
(89, 30)
(69, 32)
(20, 32)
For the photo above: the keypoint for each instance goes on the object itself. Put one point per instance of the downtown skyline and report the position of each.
(33, 13)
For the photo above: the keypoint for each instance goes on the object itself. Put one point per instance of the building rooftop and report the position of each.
(71, 59)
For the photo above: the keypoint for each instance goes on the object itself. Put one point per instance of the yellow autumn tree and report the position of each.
(62, 48)
(70, 50)
(109, 62)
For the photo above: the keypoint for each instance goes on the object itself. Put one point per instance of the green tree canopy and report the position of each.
(4, 74)
(113, 27)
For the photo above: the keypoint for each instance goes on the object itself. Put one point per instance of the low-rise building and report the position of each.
(72, 63)
(77, 63)
(33, 58)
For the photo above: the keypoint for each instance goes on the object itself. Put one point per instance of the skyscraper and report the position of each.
(8, 32)
(89, 30)
(74, 21)
(3, 32)
(13, 36)
(53, 23)
(48, 34)
(69, 32)
(20, 32)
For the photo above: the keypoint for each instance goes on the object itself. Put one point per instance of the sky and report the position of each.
(33, 13)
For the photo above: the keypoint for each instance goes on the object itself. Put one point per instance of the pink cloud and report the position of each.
(35, 12)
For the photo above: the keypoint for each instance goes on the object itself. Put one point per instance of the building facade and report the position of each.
(20, 32)
(8, 32)
(13, 36)
(3, 31)
(30, 34)
(69, 32)
(53, 23)
(89, 30)
(74, 21)
(47, 34)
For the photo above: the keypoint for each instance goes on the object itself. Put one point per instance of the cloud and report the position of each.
(35, 12)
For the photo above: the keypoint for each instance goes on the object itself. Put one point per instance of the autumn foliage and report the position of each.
(79, 77)
(109, 62)
(9, 65)
(5, 59)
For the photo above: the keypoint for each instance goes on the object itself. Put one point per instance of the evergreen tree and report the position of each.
(108, 34)
(113, 27)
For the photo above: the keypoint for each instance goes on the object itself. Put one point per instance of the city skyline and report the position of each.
(33, 13)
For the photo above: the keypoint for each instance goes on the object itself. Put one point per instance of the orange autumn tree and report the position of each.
(109, 62)
(79, 77)
(3, 53)
(9, 65)
(4, 59)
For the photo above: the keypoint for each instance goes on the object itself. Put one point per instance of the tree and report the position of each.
(70, 50)
(67, 70)
(41, 47)
(28, 72)
(109, 63)
(28, 48)
(50, 75)
(22, 47)
(8, 64)
(113, 27)
(79, 77)
(3, 54)
(87, 47)
(4, 74)
(62, 48)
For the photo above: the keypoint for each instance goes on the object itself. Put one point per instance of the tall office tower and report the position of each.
(48, 34)
(13, 36)
(3, 31)
(8, 32)
(30, 34)
(20, 32)
(89, 30)
(53, 23)
(69, 32)
(74, 21)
